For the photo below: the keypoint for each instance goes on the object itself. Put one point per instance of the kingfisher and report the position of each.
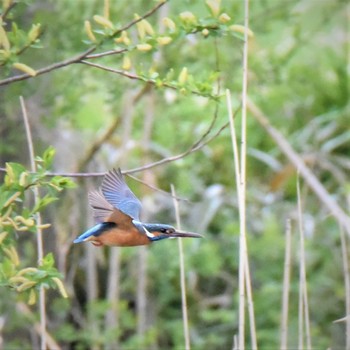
(116, 210)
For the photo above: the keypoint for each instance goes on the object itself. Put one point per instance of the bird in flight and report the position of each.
(116, 210)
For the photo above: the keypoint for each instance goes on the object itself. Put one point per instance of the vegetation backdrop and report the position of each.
(131, 84)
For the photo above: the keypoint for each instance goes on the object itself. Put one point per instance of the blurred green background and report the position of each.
(96, 120)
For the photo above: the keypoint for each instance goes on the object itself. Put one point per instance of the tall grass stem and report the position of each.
(182, 274)
(303, 297)
(286, 287)
(39, 239)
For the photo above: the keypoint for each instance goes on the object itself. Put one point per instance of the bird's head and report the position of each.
(156, 232)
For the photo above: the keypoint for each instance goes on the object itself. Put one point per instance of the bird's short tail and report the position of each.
(94, 231)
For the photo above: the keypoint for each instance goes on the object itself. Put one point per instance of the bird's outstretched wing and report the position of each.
(117, 193)
(102, 210)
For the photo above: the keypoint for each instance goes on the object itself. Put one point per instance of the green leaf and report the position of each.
(14, 170)
(43, 202)
(48, 157)
(48, 261)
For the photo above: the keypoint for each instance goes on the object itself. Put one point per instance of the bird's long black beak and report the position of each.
(185, 234)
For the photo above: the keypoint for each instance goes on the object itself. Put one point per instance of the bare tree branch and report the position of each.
(192, 149)
(106, 53)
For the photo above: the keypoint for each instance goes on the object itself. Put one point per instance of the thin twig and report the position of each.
(106, 53)
(286, 287)
(179, 156)
(182, 275)
(49, 68)
(40, 250)
(139, 77)
(195, 147)
(154, 188)
(299, 164)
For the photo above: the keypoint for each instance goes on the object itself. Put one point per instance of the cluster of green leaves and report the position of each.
(19, 215)
(14, 41)
(150, 39)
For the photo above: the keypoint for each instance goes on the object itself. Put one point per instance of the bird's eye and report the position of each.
(163, 230)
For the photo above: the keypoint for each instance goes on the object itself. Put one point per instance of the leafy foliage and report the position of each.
(19, 216)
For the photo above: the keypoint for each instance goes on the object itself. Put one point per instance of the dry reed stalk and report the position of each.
(235, 342)
(345, 257)
(39, 239)
(243, 254)
(286, 287)
(242, 250)
(303, 298)
(244, 279)
(182, 274)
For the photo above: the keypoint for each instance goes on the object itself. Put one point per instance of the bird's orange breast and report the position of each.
(120, 238)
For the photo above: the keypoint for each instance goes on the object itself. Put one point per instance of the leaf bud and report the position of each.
(4, 41)
(34, 32)
(12, 254)
(123, 38)
(205, 32)
(188, 17)
(169, 23)
(12, 199)
(148, 27)
(24, 68)
(60, 287)
(183, 76)
(214, 7)
(44, 226)
(3, 235)
(32, 297)
(126, 63)
(241, 29)
(23, 179)
(164, 40)
(104, 22)
(88, 30)
(144, 47)
(224, 18)
(18, 279)
(26, 285)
